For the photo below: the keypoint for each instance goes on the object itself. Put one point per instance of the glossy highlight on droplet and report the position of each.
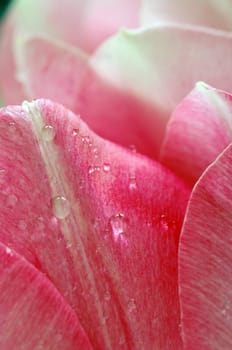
(119, 226)
(106, 167)
(61, 207)
(48, 133)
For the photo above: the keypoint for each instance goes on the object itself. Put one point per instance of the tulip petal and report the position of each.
(163, 60)
(100, 220)
(56, 74)
(137, 78)
(211, 13)
(84, 24)
(205, 260)
(33, 315)
(11, 89)
(65, 75)
(198, 131)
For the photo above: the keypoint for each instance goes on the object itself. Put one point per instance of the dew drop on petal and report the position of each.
(93, 169)
(131, 306)
(61, 207)
(132, 183)
(12, 127)
(107, 296)
(75, 132)
(106, 167)
(48, 133)
(118, 226)
(9, 251)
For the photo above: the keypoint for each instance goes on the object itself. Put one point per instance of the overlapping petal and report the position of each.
(210, 13)
(65, 75)
(205, 260)
(33, 315)
(84, 24)
(101, 221)
(200, 128)
(136, 79)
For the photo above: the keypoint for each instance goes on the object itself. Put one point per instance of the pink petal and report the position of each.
(111, 247)
(199, 129)
(32, 313)
(216, 14)
(64, 74)
(205, 260)
(84, 24)
(137, 78)
(11, 89)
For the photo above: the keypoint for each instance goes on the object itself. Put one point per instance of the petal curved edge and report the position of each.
(108, 217)
(64, 75)
(56, 74)
(205, 260)
(12, 91)
(208, 13)
(33, 315)
(84, 24)
(159, 66)
(199, 129)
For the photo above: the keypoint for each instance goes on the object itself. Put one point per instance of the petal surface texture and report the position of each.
(199, 129)
(33, 315)
(101, 221)
(211, 13)
(205, 260)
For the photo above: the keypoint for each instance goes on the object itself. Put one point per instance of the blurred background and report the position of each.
(3, 7)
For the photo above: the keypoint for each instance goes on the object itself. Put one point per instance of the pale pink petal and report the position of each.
(216, 14)
(205, 260)
(199, 129)
(137, 78)
(11, 88)
(83, 23)
(109, 243)
(33, 315)
(161, 64)
(63, 74)
(56, 74)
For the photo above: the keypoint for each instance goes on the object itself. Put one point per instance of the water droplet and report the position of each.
(69, 245)
(11, 200)
(48, 133)
(118, 225)
(12, 127)
(107, 296)
(61, 207)
(95, 152)
(86, 140)
(93, 169)
(164, 222)
(132, 183)
(106, 167)
(75, 132)
(131, 306)
(9, 251)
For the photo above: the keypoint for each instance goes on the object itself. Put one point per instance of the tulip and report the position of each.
(115, 179)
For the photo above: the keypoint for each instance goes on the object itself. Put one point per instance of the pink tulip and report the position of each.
(115, 181)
